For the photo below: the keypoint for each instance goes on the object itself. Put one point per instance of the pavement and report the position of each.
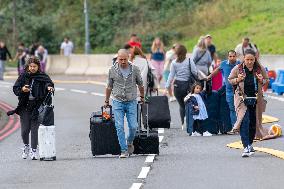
(184, 162)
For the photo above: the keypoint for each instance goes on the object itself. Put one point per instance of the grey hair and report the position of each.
(122, 52)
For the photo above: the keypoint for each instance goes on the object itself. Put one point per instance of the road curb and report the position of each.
(13, 123)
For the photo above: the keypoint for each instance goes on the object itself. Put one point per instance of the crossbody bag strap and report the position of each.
(190, 72)
(200, 57)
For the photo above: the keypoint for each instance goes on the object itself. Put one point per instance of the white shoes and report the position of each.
(33, 154)
(26, 151)
(207, 134)
(246, 152)
(196, 134)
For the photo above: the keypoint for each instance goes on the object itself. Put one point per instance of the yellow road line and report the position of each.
(276, 153)
(269, 119)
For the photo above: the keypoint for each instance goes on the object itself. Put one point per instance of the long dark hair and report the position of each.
(194, 86)
(32, 59)
(181, 53)
(256, 65)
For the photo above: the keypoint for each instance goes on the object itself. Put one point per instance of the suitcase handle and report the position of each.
(110, 110)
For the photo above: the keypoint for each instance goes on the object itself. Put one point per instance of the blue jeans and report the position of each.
(230, 101)
(120, 109)
(248, 126)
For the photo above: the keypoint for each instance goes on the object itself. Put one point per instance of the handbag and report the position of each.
(46, 113)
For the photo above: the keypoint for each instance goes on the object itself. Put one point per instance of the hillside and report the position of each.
(112, 22)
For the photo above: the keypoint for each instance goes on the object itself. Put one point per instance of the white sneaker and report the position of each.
(246, 152)
(196, 134)
(182, 127)
(172, 99)
(33, 154)
(26, 151)
(207, 134)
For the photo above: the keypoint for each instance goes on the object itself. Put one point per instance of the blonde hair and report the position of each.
(201, 43)
(155, 47)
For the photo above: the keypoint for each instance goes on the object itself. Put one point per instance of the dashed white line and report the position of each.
(98, 94)
(144, 172)
(161, 130)
(161, 138)
(150, 159)
(59, 89)
(79, 91)
(136, 186)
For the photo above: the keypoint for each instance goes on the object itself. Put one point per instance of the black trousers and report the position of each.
(248, 126)
(197, 126)
(29, 125)
(181, 89)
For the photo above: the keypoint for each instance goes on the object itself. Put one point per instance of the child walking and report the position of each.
(197, 109)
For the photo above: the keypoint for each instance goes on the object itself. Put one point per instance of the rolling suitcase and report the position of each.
(103, 134)
(46, 142)
(225, 124)
(145, 142)
(211, 124)
(158, 112)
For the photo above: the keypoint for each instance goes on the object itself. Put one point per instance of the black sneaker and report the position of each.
(251, 150)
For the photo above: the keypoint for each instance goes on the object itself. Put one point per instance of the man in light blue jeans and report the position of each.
(123, 79)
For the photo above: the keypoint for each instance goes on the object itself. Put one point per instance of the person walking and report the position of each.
(226, 67)
(123, 79)
(31, 87)
(21, 55)
(3, 57)
(138, 58)
(42, 53)
(248, 79)
(181, 70)
(158, 58)
(170, 56)
(242, 47)
(66, 47)
(134, 41)
(211, 48)
(202, 59)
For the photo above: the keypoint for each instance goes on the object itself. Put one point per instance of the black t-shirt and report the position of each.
(212, 50)
(249, 83)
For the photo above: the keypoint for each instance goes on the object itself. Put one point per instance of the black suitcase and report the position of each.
(145, 142)
(211, 124)
(159, 112)
(103, 134)
(225, 124)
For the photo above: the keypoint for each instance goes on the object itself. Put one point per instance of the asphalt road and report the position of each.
(184, 162)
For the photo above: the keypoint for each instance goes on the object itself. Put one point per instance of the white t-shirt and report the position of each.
(67, 48)
(240, 50)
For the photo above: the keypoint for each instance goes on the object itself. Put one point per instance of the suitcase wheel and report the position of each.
(41, 159)
(54, 158)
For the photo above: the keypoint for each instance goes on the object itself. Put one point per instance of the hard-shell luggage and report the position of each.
(103, 134)
(145, 142)
(211, 124)
(159, 112)
(46, 142)
(225, 124)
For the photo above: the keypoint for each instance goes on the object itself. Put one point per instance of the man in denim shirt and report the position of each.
(225, 67)
(123, 79)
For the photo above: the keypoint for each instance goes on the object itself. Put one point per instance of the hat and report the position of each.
(208, 35)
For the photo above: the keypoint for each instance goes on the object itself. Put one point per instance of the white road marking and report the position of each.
(150, 159)
(276, 98)
(161, 138)
(79, 91)
(161, 130)
(136, 186)
(98, 94)
(59, 89)
(144, 172)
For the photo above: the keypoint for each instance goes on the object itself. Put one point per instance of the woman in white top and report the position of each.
(138, 58)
